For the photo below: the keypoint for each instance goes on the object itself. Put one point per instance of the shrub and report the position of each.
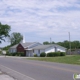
(0, 52)
(43, 54)
(56, 54)
(9, 54)
(50, 54)
(22, 54)
(19, 54)
(62, 53)
(35, 55)
(13, 54)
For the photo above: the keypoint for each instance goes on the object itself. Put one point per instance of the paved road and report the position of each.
(23, 69)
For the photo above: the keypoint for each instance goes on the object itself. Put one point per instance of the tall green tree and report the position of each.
(46, 43)
(66, 44)
(4, 31)
(15, 38)
(75, 44)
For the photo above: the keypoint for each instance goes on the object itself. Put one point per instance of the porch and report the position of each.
(29, 53)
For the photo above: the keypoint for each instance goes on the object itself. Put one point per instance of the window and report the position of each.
(39, 51)
(33, 51)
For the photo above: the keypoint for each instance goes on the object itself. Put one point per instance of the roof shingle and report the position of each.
(47, 46)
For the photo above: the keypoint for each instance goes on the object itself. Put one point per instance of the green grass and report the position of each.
(72, 59)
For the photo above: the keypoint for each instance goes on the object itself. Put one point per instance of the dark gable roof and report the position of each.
(23, 44)
(47, 46)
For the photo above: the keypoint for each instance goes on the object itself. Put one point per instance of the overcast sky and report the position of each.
(39, 20)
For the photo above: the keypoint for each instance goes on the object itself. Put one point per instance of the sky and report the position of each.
(40, 20)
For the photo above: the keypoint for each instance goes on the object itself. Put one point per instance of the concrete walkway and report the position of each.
(4, 76)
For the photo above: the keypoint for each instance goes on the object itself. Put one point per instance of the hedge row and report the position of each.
(15, 54)
(52, 54)
(43, 54)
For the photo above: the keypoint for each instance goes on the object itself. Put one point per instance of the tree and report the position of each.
(15, 38)
(53, 42)
(46, 43)
(4, 31)
(75, 44)
(66, 44)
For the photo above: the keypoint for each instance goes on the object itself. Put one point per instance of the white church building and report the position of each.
(31, 48)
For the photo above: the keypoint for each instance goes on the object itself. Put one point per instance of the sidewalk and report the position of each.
(18, 57)
(4, 76)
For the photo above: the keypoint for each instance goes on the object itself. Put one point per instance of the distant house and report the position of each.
(48, 48)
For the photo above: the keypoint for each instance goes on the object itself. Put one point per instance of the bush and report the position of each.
(62, 53)
(43, 54)
(19, 54)
(13, 54)
(56, 54)
(22, 54)
(35, 55)
(50, 54)
(9, 54)
(53, 54)
(0, 52)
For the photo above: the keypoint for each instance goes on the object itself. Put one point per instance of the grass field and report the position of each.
(70, 59)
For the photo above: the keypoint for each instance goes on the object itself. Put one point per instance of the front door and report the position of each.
(29, 53)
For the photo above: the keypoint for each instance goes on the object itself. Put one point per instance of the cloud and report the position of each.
(42, 18)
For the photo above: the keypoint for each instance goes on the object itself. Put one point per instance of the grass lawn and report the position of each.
(69, 59)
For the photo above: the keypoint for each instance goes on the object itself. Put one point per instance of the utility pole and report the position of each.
(70, 42)
(50, 40)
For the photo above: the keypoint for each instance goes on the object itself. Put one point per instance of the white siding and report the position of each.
(12, 50)
(42, 50)
(61, 50)
(38, 51)
(51, 49)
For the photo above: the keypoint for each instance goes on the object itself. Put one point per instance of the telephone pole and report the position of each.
(70, 42)
(50, 40)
